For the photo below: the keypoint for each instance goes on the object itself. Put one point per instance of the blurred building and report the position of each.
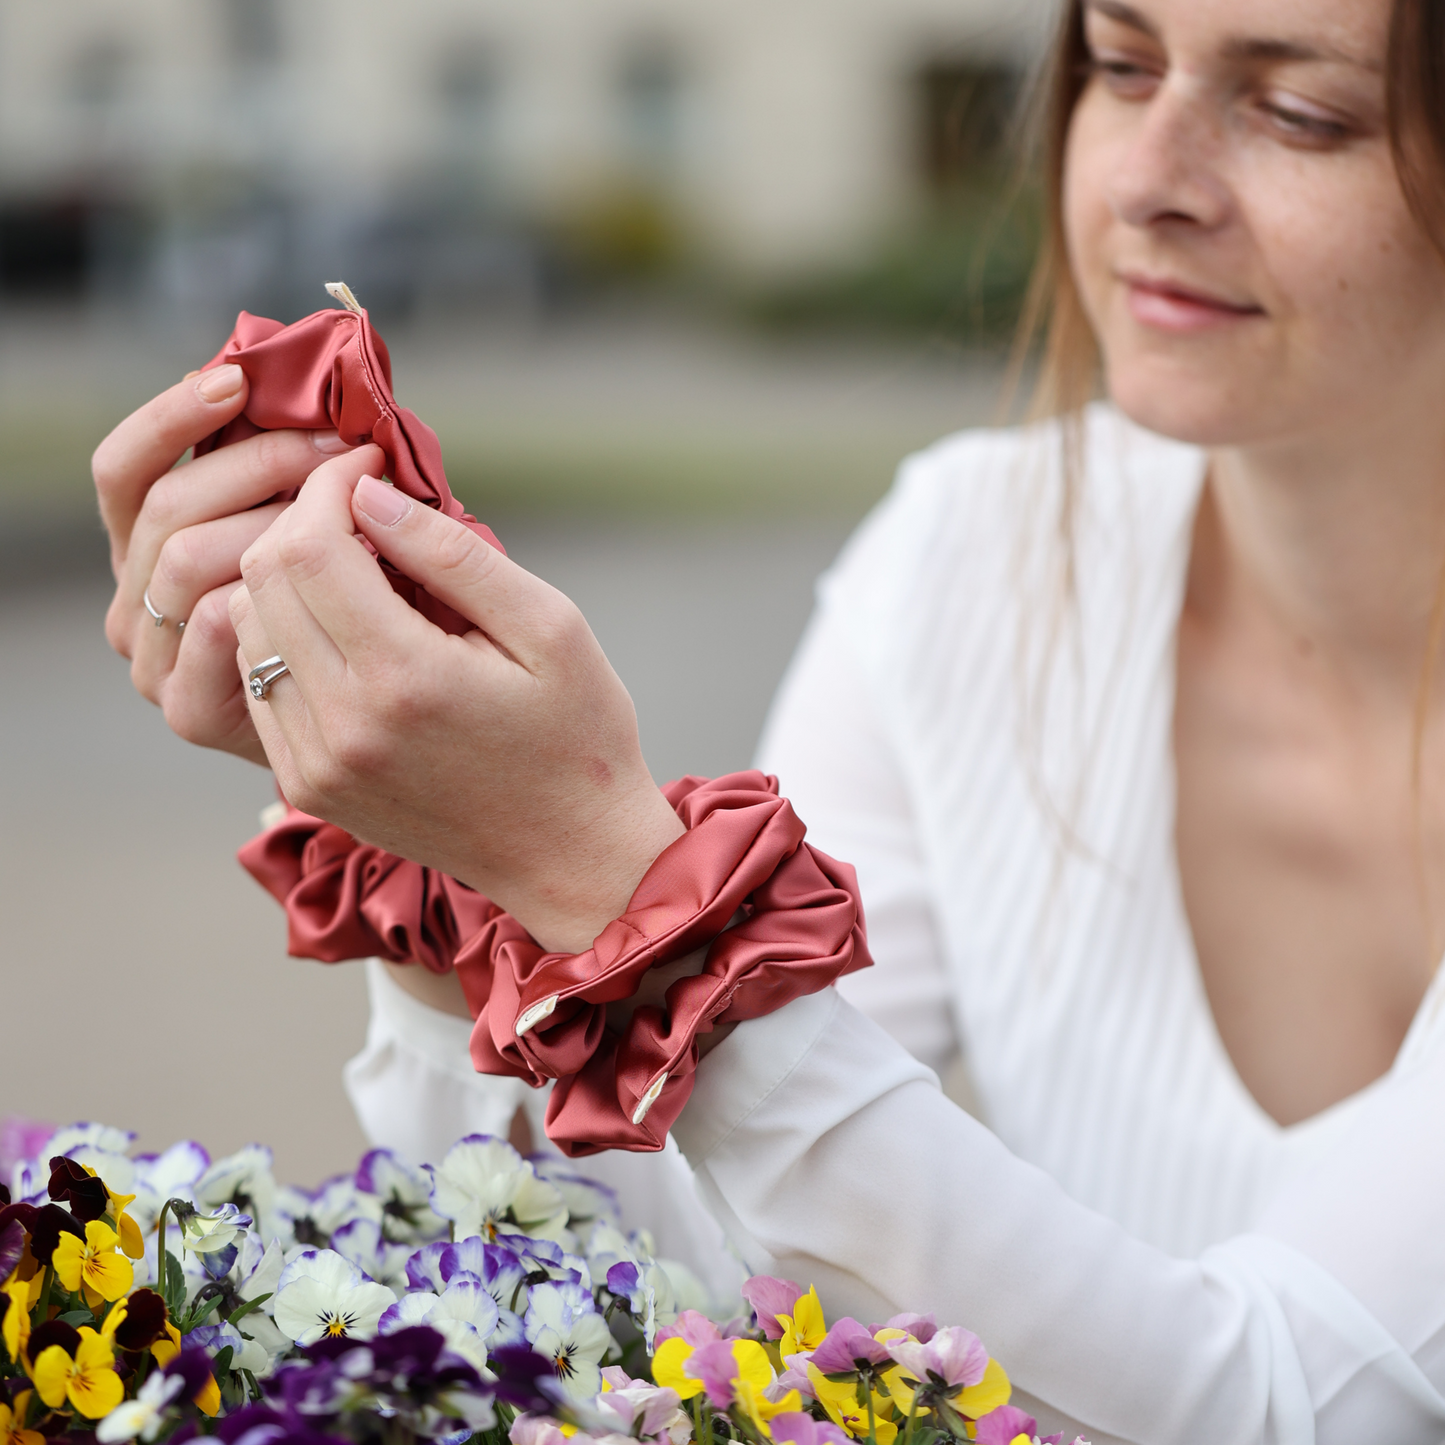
(221, 148)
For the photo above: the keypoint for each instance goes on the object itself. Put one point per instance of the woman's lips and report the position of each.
(1168, 307)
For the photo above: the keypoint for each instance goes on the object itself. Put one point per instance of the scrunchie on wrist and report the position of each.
(800, 928)
(779, 920)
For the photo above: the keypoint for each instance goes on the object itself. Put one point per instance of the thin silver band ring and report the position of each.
(159, 618)
(262, 677)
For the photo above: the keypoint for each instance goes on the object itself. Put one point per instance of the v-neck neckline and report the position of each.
(1428, 1021)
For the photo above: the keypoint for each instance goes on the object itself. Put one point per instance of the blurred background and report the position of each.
(678, 284)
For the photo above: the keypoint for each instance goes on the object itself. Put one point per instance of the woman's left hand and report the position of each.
(508, 757)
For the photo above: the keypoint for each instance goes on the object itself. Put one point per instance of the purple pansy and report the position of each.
(849, 1346)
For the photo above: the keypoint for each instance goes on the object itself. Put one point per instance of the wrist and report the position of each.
(567, 905)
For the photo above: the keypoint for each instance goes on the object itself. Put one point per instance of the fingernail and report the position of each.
(221, 384)
(329, 442)
(381, 502)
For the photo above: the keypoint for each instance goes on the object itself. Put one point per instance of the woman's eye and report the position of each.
(1303, 125)
(1123, 77)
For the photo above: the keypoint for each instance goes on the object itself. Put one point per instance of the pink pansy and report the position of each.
(696, 1329)
(537, 1430)
(770, 1298)
(848, 1346)
(716, 1366)
(796, 1428)
(954, 1357)
(642, 1411)
(921, 1327)
(1004, 1425)
(790, 1379)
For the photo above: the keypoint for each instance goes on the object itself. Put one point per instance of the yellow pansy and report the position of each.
(88, 1381)
(128, 1230)
(804, 1329)
(840, 1399)
(993, 1390)
(93, 1264)
(16, 1328)
(165, 1349)
(12, 1427)
(208, 1398)
(759, 1409)
(971, 1400)
(667, 1371)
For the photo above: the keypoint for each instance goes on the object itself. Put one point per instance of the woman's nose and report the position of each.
(1169, 171)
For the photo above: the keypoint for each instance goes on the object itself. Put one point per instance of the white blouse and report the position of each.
(1151, 1256)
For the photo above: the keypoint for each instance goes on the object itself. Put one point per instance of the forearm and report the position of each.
(831, 1157)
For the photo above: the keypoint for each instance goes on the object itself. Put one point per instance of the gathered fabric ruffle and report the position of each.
(332, 369)
(777, 917)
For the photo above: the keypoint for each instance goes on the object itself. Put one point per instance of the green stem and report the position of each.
(912, 1417)
(872, 1423)
(161, 1251)
(37, 1315)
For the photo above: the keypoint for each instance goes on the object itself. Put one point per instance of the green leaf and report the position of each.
(198, 1315)
(221, 1365)
(174, 1290)
(76, 1317)
(245, 1308)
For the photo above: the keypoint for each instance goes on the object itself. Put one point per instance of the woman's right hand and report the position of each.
(178, 532)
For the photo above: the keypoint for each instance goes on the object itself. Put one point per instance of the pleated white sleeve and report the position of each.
(831, 1157)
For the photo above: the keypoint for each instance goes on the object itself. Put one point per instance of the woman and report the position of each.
(1162, 842)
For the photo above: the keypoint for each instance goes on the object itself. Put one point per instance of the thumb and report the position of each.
(457, 567)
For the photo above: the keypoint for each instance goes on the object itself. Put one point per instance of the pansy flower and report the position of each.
(952, 1371)
(562, 1323)
(81, 1372)
(403, 1194)
(93, 1264)
(12, 1423)
(483, 1184)
(321, 1295)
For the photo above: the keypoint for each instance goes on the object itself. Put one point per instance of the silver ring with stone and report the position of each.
(263, 676)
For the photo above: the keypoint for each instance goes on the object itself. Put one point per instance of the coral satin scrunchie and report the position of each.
(779, 920)
(798, 926)
(332, 369)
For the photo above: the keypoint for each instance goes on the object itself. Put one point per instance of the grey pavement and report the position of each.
(143, 977)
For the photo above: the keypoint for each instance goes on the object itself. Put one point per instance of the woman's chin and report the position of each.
(1198, 410)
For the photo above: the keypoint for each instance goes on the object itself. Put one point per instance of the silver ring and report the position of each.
(264, 676)
(158, 617)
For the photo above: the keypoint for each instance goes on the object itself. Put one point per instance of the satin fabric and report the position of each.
(345, 899)
(796, 925)
(801, 927)
(332, 369)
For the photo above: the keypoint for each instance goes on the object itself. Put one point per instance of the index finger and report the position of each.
(152, 439)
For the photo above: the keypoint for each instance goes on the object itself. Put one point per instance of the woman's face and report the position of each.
(1239, 235)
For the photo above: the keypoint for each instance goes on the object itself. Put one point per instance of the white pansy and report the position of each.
(142, 1417)
(311, 1216)
(159, 1177)
(320, 1293)
(484, 1183)
(367, 1247)
(243, 1179)
(404, 1194)
(464, 1313)
(211, 1233)
(562, 1323)
(88, 1136)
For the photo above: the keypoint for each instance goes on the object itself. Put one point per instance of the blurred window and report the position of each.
(97, 77)
(469, 100)
(650, 86)
(253, 32)
(967, 112)
(44, 247)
